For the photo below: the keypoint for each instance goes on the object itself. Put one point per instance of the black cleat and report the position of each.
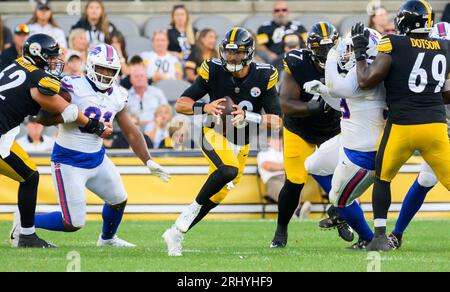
(33, 241)
(280, 238)
(334, 221)
(395, 241)
(379, 243)
(360, 245)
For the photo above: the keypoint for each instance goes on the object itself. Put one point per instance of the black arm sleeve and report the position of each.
(197, 90)
(271, 102)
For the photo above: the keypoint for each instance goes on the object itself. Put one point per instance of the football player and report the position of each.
(363, 120)
(78, 158)
(26, 86)
(426, 179)
(414, 68)
(252, 87)
(308, 123)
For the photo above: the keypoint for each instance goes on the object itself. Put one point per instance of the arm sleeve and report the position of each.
(340, 86)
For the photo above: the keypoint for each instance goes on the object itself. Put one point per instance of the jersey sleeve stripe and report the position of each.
(385, 46)
(204, 71)
(50, 83)
(286, 67)
(262, 38)
(273, 80)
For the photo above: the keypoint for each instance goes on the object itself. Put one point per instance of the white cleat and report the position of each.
(188, 216)
(15, 230)
(174, 239)
(114, 242)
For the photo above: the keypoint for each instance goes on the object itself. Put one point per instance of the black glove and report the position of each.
(94, 127)
(360, 38)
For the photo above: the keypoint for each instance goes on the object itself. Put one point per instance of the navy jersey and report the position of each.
(416, 77)
(16, 102)
(318, 128)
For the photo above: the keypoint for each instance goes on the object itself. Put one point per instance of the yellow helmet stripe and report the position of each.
(430, 24)
(233, 35)
(324, 30)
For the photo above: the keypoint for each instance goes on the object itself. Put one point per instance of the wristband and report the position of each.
(199, 105)
(253, 117)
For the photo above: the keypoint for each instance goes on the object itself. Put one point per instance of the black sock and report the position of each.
(381, 199)
(288, 202)
(208, 206)
(379, 231)
(27, 200)
(216, 181)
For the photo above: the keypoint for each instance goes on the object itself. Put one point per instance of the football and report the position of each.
(226, 113)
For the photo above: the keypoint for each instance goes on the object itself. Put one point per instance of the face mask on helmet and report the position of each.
(346, 59)
(320, 51)
(235, 58)
(103, 67)
(55, 66)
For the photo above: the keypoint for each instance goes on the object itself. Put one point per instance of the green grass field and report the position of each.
(230, 246)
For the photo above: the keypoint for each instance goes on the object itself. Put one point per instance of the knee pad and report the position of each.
(427, 179)
(229, 173)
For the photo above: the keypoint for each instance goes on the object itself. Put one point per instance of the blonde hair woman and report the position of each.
(181, 33)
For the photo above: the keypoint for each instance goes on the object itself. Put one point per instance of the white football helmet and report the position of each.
(103, 56)
(441, 30)
(347, 59)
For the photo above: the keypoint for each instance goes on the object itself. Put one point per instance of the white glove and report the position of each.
(315, 87)
(230, 186)
(158, 170)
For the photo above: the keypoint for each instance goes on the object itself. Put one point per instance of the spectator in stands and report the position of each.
(271, 167)
(270, 34)
(9, 55)
(158, 130)
(181, 33)
(43, 22)
(5, 36)
(143, 99)
(79, 44)
(161, 65)
(35, 140)
(206, 48)
(179, 135)
(73, 64)
(291, 41)
(379, 19)
(95, 22)
(134, 61)
(390, 28)
(118, 43)
(120, 142)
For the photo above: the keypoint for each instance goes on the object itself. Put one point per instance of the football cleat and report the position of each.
(188, 216)
(379, 243)
(280, 238)
(334, 221)
(174, 239)
(33, 241)
(395, 241)
(346, 232)
(359, 245)
(15, 230)
(114, 242)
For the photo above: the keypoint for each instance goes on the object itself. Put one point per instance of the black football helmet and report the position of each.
(43, 51)
(414, 16)
(321, 38)
(237, 40)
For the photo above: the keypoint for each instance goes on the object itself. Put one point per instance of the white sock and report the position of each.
(27, 231)
(380, 222)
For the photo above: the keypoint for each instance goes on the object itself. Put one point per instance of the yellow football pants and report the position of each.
(219, 151)
(18, 165)
(399, 142)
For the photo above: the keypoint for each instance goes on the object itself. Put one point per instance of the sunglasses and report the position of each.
(280, 10)
(23, 28)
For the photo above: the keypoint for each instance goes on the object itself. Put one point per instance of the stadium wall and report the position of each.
(149, 198)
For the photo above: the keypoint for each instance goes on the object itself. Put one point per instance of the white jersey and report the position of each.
(102, 106)
(363, 111)
(168, 65)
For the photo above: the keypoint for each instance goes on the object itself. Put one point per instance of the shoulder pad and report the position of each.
(49, 85)
(207, 67)
(294, 58)
(385, 45)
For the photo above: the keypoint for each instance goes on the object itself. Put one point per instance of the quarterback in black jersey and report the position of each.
(26, 86)
(307, 121)
(415, 70)
(252, 87)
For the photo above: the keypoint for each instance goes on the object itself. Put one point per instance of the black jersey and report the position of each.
(255, 92)
(178, 42)
(414, 83)
(271, 34)
(16, 102)
(318, 128)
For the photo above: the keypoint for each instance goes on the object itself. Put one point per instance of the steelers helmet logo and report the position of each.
(35, 49)
(255, 92)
